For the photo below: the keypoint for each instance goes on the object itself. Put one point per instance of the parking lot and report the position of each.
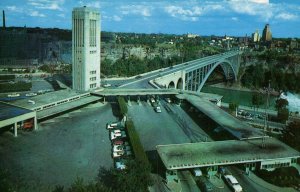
(71, 145)
(171, 126)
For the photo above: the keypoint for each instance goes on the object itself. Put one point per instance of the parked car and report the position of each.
(204, 184)
(120, 165)
(114, 135)
(118, 154)
(158, 109)
(117, 148)
(118, 142)
(233, 183)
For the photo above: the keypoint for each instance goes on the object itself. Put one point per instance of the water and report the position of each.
(294, 101)
(241, 97)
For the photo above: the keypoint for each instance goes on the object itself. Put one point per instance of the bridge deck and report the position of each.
(192, 155)
(236, 127)
(129, 92)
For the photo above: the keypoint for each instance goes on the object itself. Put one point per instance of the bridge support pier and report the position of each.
(15, 130)
(128, 102)
(249, 167)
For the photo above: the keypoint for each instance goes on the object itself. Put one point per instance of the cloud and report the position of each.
(117, 18)
(234, 18)
(36, 14)
(112, 18)
(136, 10)
(187, 14)
(14, 8)
(47, 4)
(286, 16)
(62, 15)
(260, 1)
(94, 4)
(263, 10)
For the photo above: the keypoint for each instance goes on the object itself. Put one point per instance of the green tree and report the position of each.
(136, 177)
(233, 107)
(283, 115)
(281, 103)
(257, 100)
(122, 106)
(291, 134)
(282, 111)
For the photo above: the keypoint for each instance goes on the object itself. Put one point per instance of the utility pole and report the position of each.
(266, 124)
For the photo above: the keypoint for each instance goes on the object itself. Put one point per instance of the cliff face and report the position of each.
(22, 44)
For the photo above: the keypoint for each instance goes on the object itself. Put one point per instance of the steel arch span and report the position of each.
(192, 75)
(196, 79)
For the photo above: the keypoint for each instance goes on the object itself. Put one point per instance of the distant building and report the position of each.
(267, 35)
(189, 35)
(85, 48)
(255, 36)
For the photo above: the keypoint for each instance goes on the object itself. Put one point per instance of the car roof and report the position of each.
(118, 142)
(232, 179)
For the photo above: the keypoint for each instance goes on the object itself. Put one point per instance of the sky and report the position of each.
(202, 17)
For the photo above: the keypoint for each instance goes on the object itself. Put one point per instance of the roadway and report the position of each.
(142, 80)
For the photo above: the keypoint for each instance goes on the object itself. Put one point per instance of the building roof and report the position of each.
(236, 127)
(9, 111)
(46, 98)
(66, 106)
(203, 154)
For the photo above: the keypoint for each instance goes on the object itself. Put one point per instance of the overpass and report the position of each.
(192, 75)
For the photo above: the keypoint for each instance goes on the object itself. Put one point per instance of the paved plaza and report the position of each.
(71, 145)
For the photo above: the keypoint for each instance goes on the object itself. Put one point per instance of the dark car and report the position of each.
(204, 184)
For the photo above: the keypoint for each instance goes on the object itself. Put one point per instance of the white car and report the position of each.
(107, 85)
(117, 148)
(114, 135)
(117, 154)
(158, 109)
(111, 125)
(152, 100)
(233, 183)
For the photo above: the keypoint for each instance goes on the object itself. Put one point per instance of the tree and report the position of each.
(233, 107)
(282, 111)
(283, 115)
(291, 135)
(257, 100)
(281, 103)
(136, 177)
(122, 106)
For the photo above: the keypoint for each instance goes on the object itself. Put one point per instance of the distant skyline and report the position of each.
(203, 17)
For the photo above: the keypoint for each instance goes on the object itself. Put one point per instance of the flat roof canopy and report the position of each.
(236, 127)
(9, 111)
(47, 98)
(203, 154)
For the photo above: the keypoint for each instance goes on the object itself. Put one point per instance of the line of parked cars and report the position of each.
(121, 149)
